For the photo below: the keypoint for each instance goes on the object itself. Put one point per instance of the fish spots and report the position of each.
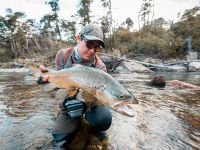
(101, 87)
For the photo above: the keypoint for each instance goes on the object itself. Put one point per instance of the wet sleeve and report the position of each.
(59, 61)
(99, 64)
(103, 68)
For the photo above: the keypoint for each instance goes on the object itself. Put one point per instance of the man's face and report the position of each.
(87, 49)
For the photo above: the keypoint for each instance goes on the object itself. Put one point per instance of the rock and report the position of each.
(176, 68)
(15, 65)
(111, 62)
(151, 60)
(132, 66)
(194, 66)
(121, 70)
(192, 56)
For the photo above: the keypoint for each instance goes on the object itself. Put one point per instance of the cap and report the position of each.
(92, 32)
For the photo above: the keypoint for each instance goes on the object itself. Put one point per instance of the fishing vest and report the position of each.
(65, 58)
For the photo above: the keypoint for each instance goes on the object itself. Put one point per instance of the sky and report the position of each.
(122, 9)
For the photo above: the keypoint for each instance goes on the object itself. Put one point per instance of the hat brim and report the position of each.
(90, 37)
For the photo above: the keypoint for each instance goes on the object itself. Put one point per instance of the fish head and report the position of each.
(116, 96)
(119, 100)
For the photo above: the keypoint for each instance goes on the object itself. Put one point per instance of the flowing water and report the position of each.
(165, 118)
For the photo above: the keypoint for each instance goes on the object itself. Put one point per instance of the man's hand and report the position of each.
(43, 69)
(43, 79)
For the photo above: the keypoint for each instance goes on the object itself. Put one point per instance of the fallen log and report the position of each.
(153, 67)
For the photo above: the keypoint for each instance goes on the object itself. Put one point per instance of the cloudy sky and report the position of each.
(122, 9)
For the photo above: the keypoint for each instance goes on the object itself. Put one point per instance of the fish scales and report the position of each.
(86, 78)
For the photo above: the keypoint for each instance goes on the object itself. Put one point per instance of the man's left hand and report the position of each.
(43, 69)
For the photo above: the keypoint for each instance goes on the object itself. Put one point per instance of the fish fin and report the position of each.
(72, 92)
(86, 96)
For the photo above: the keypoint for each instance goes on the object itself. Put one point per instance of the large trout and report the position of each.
(95, 82)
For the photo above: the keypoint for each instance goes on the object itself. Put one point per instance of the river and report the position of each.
(165, 118)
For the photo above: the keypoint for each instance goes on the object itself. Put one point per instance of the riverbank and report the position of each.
(118, 64)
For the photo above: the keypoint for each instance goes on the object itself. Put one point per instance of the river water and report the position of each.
(165, 118)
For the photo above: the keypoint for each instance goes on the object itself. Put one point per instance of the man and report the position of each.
(89, 42)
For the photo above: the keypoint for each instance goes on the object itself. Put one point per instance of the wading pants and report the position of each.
(98, 117)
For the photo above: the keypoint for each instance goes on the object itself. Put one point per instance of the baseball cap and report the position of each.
(92, 32)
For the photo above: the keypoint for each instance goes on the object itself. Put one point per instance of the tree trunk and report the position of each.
(37, 44)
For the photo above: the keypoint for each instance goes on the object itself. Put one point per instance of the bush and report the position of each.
(159, 42)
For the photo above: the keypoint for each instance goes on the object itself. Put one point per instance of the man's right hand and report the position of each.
(43, 79)
(43, 69)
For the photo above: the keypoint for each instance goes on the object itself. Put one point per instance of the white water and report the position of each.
(17, 70)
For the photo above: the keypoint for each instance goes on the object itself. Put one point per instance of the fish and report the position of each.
(95, 84)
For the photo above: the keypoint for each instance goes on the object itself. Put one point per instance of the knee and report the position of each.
(99, 118)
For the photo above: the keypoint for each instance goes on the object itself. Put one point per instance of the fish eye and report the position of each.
(121, 96)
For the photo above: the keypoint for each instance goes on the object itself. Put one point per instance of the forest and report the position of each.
(22, 37)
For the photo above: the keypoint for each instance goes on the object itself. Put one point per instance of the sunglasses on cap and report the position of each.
(90, 44)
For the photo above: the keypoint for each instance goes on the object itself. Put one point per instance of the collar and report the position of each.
(91, 63)
(77, 57)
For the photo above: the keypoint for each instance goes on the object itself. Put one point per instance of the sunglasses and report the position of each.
(92, 44)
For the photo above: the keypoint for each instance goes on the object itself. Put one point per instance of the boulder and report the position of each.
(121, 70)
(132, 66)
(176, 68)
(194, 66)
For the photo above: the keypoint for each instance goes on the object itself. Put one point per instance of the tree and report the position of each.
(146, 10)
(129, 23)
(47, 27)
(70, 28)
(189, 28)
(109, 19)
(54, 16)
(159, 23)
(104, 26)
(191, 13)
(11, 30)
(84, 11)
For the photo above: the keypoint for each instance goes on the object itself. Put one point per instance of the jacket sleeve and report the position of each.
(103, 68)
(59, 60)
(99, 64)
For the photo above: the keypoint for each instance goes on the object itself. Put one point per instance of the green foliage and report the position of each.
(107, 23)
(84, 11)
(70, 29)
(10, 28)
(189, 25)
(129, 22)
(53, 17)
(157, 42)
(158, 23)
(145, 11)
(54, 5)
(20, 38)
(104, 26)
